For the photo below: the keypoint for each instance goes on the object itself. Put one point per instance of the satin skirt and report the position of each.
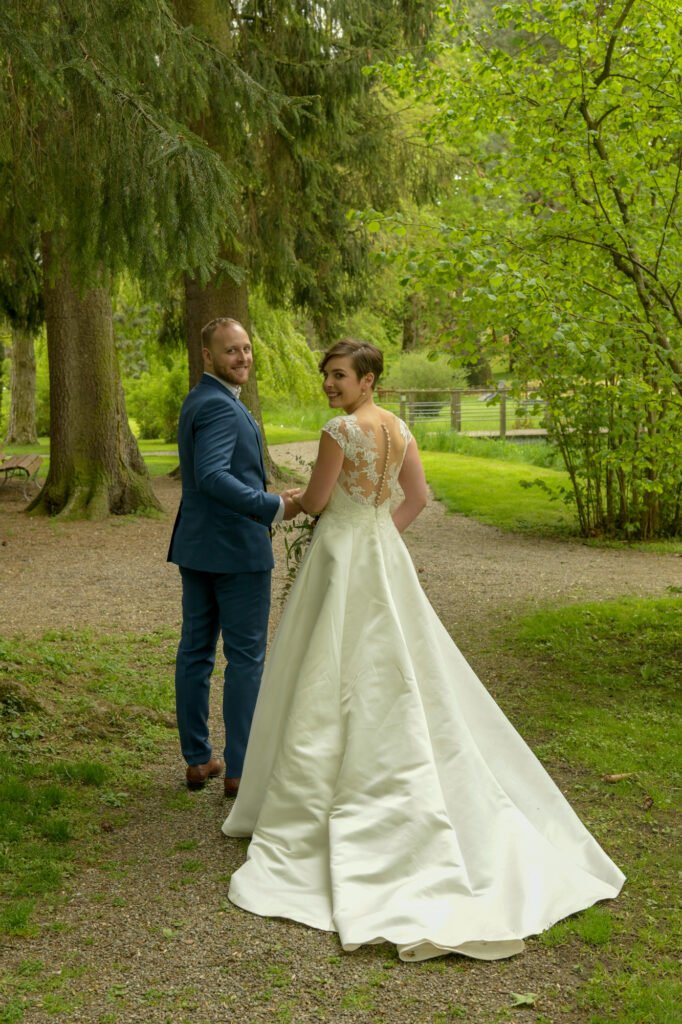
(388, 797)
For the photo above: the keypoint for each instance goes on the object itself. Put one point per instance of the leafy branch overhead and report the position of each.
(560, 229)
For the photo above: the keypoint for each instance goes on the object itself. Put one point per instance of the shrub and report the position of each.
(154, 398)
(415, 371)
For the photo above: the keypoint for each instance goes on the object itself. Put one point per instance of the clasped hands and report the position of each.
(291, 506)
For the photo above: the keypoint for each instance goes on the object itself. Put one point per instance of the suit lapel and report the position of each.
(211, 382)
(259, 436)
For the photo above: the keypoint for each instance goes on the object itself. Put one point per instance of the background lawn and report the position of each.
(510, 495)
(595, 689)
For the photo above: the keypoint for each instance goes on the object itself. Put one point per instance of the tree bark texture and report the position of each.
(95, 465)
(2, 360)
(22, 411)
(221, 297)
(411, 315)
(479, 373)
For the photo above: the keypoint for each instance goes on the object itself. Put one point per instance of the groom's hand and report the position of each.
(291, 509)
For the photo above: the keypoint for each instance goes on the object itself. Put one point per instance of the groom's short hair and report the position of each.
(364, 358)
(209, 329)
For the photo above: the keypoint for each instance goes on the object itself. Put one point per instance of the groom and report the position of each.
(221, 542)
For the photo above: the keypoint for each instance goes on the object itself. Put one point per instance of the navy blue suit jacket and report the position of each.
(225, 513)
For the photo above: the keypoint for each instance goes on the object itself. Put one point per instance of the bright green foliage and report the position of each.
(562, 228)
(42, 386)
(415, 370)
(138, 326)
(287, 369)
(379, 328)
(154, 374)
(155, 397)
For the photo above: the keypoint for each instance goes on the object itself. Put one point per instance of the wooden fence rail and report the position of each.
(477, 412)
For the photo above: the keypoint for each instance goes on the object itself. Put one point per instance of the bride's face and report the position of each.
(342, 386)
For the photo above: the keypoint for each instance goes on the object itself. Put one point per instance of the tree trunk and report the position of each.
(479, 373)
(411, 312)
(2, 361)
(22, 410)
(95, 465)
(221, 297)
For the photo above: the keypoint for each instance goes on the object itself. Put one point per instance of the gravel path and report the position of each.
(146, 933)
(114, 574)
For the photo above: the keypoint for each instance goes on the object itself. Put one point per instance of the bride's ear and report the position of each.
(368, 380)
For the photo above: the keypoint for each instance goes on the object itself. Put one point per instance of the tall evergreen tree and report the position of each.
(299, 174)
(95, 157)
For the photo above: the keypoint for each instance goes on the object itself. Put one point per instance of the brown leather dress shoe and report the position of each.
(231, 787)
(197, 774)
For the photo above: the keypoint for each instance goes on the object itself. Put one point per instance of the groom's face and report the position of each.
(229, 355)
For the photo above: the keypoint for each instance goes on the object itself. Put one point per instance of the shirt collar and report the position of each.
(233, 388)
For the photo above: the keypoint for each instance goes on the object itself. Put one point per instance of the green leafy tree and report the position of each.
(565, 220)
(416, 371)
(155, 396)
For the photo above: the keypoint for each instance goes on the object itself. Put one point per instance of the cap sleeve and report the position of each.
(405, 432)
(338, 430)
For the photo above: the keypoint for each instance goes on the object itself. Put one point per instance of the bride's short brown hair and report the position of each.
(364, 358)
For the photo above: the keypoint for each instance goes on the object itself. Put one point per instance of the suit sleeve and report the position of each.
(215, 437)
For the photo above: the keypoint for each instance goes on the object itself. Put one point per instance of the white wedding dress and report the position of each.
(388, 797)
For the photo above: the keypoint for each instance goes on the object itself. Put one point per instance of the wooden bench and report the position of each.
(21, 465)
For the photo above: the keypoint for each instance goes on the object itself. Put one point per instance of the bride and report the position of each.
(387, 796)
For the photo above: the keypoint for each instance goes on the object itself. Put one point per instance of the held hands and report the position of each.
(291, 506)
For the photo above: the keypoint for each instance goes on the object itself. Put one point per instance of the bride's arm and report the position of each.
(323, 477)
(413, 482)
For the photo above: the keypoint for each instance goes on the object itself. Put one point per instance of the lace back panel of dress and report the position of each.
(372, 458)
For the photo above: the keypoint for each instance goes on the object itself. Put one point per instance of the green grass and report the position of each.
(535, 453)
(285, 424)
(512, 485)
(613, 679)
(502, 494)
(161, 465)
(280, 434)
(41, 447)
(638, 999)
(672, 546)
(594, 688)
(77, 710)
(597, 687)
